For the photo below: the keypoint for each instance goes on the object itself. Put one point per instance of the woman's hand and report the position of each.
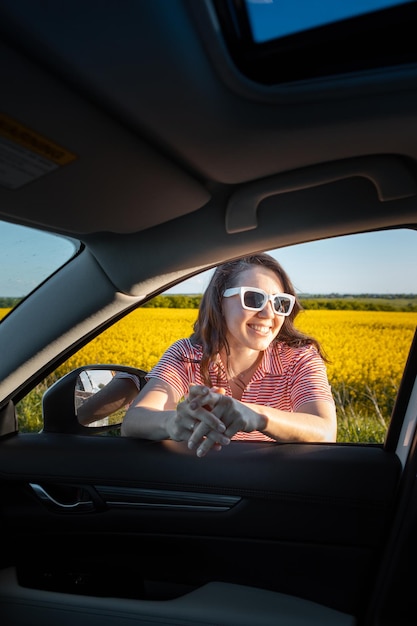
(233, 414)
(192, 419)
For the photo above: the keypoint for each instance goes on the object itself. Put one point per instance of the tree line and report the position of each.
(365, 302)
(400, 302)
(9, 303)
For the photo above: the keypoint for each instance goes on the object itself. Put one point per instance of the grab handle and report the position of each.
(389, 175)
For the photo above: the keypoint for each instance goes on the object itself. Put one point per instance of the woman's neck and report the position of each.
(240, 367)
(241, 360)
(239, 372)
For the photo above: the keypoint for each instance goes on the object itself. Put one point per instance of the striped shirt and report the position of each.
(286, 377)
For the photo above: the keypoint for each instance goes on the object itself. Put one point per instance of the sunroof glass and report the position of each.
(276, 42)
(271, 19)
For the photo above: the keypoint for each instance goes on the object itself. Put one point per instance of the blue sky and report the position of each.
(274, 18)
(384, 262)
(27, 257)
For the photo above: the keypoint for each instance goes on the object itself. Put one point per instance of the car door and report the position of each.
(149, 527)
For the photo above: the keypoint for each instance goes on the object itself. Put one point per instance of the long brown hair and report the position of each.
(210, 330)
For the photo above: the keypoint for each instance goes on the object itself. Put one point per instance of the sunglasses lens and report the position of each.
(282, 304)
(253, 299)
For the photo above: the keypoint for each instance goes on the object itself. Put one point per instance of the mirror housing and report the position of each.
(62, 401)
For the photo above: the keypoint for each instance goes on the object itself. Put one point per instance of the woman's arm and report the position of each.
(157, 415)
(118, 393)
(312, 422)
(149, 416)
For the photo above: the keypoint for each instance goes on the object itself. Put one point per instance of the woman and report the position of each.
(245, 373)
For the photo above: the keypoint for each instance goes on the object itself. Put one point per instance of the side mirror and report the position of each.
(91, 399)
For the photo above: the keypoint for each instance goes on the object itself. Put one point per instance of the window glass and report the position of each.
(359, 295)
(270, 20)
(274, 42)
(27, 257)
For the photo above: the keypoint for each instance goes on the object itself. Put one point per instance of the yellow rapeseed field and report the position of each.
(367, 352)
(362, 346)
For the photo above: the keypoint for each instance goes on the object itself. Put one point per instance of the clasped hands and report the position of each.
(208, 418)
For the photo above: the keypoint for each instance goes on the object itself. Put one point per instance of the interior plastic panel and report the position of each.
(389, 175)
(215, 603)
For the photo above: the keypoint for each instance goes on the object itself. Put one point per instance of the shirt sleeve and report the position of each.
(310, 382)
(131, 377)
(177, 367)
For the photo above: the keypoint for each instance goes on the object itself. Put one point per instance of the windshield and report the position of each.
(27, 258)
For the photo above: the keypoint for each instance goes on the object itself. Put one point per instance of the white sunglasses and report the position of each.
(254, 299)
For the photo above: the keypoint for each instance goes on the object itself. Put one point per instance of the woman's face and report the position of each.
(253, 329)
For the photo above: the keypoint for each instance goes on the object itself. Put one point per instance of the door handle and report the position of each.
(79, 505)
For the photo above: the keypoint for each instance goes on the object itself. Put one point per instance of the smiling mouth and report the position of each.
(264, 330)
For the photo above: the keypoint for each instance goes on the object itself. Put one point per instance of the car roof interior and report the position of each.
(157, 130)
(154, 129)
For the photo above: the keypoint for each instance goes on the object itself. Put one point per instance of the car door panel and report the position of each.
(214, 603)
(149, 519)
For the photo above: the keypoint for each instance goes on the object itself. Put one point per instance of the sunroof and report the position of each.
(283, 41)
(270, 19)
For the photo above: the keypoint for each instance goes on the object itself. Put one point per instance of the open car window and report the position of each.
(359, 298)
